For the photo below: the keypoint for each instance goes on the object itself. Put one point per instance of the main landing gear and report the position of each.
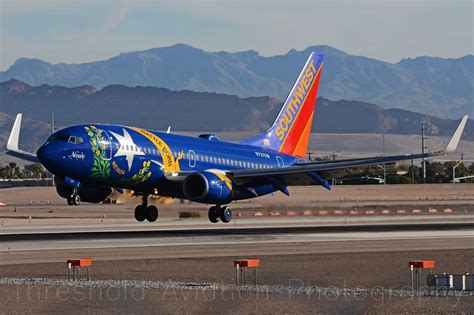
(218, 213)
(74, 199)
(144, 211)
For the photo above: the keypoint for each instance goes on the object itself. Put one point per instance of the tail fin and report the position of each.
(290, 132)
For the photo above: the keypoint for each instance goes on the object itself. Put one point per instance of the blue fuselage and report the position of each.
(144, 160)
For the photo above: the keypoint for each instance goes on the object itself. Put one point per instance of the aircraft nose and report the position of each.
(45, 154)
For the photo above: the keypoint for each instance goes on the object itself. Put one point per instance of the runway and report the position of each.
(231, 241)
(51, 226)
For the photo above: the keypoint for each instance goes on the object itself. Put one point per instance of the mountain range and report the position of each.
(157, 108)
(437, 86)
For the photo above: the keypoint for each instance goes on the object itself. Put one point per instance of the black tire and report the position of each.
(69, 201)
(214, 214)
(140, 213)
(152, 213)
(226, 214)
(76, 199)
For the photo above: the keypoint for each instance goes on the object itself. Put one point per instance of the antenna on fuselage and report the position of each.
(169, 129)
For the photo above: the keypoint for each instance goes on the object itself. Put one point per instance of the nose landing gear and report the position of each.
(74, 199)
(217, 213)
(144, 211)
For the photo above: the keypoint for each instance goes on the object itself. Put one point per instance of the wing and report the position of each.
(310, 172)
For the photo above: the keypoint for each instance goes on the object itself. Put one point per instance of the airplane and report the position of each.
(90, 160)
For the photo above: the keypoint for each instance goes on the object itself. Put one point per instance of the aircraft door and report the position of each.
(192, 158)
(280, 161)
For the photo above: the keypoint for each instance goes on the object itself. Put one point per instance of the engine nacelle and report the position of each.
(207, 187)
(88, 193)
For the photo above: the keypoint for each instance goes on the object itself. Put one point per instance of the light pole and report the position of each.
(52, 131)
(423, 164)
(384, 164)
(454, 171)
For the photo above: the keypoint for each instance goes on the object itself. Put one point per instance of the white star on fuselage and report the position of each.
(127, 147)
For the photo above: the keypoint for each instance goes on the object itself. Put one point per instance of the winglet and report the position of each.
(12, 143)
(453, 144)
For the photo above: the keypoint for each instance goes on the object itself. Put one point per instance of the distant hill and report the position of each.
(157, 108)
(442, 87)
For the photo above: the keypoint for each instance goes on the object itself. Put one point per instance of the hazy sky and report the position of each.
(79, 31)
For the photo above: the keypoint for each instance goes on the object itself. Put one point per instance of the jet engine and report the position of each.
(88, 193)
(207, 187)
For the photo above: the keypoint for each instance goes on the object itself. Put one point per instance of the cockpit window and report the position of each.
(59, 137)
(65, 137)
(75, 140)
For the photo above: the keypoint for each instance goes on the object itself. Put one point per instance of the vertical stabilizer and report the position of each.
(290, 132)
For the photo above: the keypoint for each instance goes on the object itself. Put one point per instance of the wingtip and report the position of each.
(453, 143)
(12, 143)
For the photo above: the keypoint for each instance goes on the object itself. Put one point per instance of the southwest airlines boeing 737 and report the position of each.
(90, 160)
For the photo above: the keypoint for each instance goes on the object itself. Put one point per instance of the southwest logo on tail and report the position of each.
(89, 161)
(290, 132)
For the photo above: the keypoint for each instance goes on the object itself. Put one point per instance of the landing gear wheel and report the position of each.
(151, 213)
(226, 214)
(214, 214)
(74, 200)
(140, 213)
